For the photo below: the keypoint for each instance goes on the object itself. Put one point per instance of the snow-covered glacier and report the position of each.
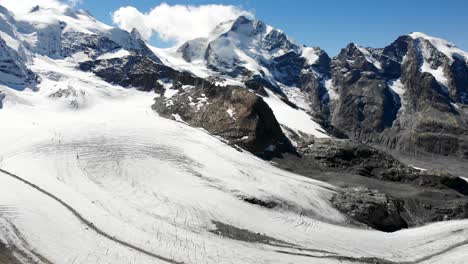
(89, 173)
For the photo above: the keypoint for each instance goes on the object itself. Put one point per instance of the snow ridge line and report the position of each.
(88, 223)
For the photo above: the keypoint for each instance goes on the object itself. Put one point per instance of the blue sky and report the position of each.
(332, 24)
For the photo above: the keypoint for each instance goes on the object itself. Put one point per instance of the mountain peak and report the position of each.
(35, 9)
(244, 25)
(135, 33)
(447, 48)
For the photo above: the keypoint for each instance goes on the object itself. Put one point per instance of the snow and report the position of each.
(11, 42)
(369, 57)
(114, 54)
(168, 93)
(125, 178)
(198, 102)
(310, 54)
(397, 87)
(296, 96)
(295, 119)
(426, 50)
(220, 29)
(447, 48)
(178, 118)
(418, 168)
(172, 58)
(79, 57)
(398, 90)
(332, 94)
(245, 46)
(438, 73)
(157, 184)
(75, 21)
(149, 181)
(231, 112)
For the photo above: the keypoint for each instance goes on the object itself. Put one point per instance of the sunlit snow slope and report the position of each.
(97, 177)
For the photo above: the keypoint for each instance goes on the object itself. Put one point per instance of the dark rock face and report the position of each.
(2, 96)
(13, 69)
(382, 212)
(366, 105)
(235, 233)
(420, 196)
(234, 113)
(423, 118)
(459, 72)
(371, 207)
(369, 162)
(92, 45)
(7, 256)
(436, 126)
(95, 45)
(137, 71)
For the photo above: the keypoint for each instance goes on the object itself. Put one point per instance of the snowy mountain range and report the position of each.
(240, 147)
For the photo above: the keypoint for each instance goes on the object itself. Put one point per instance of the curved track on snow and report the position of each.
(88, 223)
(168, 260)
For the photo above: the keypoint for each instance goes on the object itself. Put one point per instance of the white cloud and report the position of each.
(24, 6)
(176, 22)
(74, 3)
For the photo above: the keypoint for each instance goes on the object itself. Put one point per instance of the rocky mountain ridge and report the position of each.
(403, 96)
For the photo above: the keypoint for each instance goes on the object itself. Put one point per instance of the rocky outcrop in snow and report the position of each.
(137, 71)
(234, 113)
(372, 208)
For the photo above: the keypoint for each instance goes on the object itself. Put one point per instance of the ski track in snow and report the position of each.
(97, 177)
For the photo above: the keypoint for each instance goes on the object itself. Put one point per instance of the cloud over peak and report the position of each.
(24, 6)
(176, 22)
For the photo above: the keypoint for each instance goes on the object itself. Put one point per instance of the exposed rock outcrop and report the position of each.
(138, 71)
(234, 113)
(371, 207)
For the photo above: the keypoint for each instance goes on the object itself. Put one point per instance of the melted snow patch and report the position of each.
(418, 168)
(231, 112)
(199, 102)
(114, 54)
(397, 87)
(332, 94)
(369, 57)
(398, 90)
(178, 118)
